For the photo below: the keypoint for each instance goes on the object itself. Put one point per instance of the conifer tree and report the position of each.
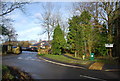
(82, 36)
(74, 35)
(58, 42)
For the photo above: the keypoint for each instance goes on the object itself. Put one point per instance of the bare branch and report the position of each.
(9, 7)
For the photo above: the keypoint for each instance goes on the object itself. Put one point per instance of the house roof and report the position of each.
(36, 44)
(39, 43)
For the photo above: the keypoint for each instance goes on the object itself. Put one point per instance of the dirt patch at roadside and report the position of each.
(11, 73)
(96, 66)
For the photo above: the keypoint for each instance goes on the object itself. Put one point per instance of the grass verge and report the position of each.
(6, 73)
(65, 59)
(105, 60)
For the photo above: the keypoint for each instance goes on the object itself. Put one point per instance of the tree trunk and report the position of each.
(48, 36)
(110, 39)
(48, 33)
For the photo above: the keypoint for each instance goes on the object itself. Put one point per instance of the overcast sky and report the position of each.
(27, 26)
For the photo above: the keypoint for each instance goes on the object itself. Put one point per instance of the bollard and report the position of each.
(83, 56)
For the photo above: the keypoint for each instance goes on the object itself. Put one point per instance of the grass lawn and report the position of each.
(65, 59)
(97, 59)
(106, 61)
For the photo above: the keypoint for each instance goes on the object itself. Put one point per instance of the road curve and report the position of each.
(39, 69)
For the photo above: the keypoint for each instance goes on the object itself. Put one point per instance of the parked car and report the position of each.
(34, 49)
(25, 49)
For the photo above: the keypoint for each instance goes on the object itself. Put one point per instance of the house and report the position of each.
(41, 44)
(43, 47)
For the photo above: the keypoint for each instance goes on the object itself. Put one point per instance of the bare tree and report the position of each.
(8, 31)
(8, 7)
(50, 17)
(46, 15)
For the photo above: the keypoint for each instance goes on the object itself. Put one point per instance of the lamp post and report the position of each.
(110, 48)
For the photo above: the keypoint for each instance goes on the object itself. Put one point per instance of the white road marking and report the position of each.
(92, 78)
(28, 58)
(19, 58)
(32, 59)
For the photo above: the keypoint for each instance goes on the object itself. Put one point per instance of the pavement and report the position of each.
(92, 66)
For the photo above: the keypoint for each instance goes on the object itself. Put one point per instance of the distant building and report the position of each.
(32, 41)
(11, 42)
(18, 43)
(41, 44)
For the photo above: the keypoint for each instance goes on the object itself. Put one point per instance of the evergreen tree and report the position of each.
(58, 42)
(82, 35)
(74, 35)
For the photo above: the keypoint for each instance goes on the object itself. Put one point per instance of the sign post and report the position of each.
(110, 47)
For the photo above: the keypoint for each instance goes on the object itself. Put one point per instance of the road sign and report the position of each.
(108, 45)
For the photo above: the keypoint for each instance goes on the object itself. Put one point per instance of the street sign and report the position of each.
(108, 45)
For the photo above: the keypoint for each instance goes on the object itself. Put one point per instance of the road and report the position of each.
(39, 69)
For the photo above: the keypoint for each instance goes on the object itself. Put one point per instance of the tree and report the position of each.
(77, 36)
(103, 13)
(8, 7)
(4, 30)
(50, 17)
(47, 17)
(58, 42)
(72, 36)
(82, 36)
(116, 23)
(8, 32)
(108, 14)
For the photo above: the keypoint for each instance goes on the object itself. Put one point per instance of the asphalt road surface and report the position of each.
(39, 69)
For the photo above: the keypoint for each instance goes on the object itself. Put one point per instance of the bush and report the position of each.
(41, 54)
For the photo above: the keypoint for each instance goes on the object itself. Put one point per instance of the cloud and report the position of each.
(25, 24)
(31, 30)
(32, 34)
(13, 16)
(38, 15)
